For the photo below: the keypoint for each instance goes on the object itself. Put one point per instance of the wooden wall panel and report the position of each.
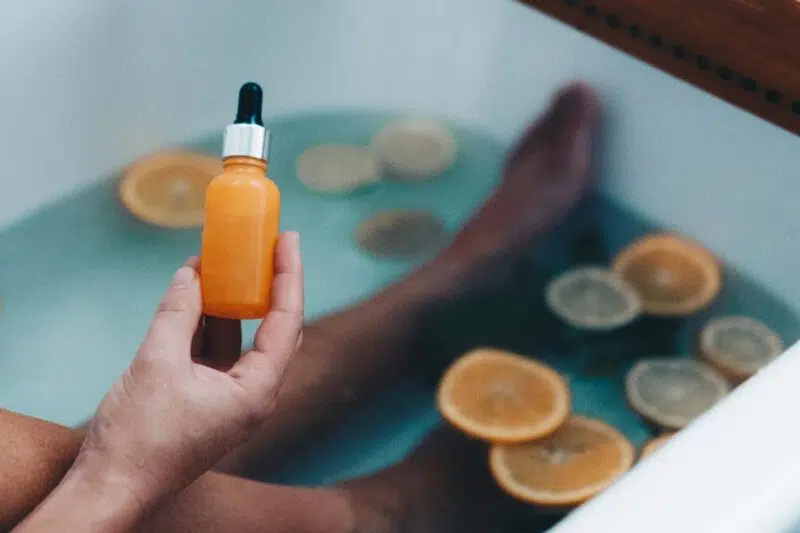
(744, 51)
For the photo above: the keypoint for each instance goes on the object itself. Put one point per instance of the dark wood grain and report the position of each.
(746, 52)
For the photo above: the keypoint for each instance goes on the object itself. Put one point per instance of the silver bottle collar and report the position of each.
(245, 140)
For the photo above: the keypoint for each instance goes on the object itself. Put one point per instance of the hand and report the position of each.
(168, 419)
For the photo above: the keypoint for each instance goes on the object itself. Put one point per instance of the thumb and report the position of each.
(177, 317)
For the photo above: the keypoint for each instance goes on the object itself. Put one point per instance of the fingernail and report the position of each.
(183, 277)
(293, 240)
(298, 253)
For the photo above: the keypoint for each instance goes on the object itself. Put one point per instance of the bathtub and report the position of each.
(89, 86)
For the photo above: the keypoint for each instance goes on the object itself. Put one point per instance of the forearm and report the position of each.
(83, 502)
(218, 502)
(215, 502)
(35, 455)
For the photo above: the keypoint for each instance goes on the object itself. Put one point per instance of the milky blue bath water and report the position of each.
(81, 279)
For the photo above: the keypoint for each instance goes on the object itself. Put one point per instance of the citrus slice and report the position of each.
(400, 233)
(674, 276)
(593, 298)
(337, 168)
(168, 189)
(672, 392)
(566, 468)
(654, 444)
(738, 346)
(499, 396)
(415, 149)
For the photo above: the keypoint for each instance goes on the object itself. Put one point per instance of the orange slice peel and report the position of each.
(738, 346)
(674, 275)
(167, 189)
(593, 298)
(655, 444)
(499, 396)
(671, 392)
(565, 469)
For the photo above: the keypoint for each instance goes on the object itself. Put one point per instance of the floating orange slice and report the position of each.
(654, 444)
(337, 168)
(415, 149)
(738, 346)
(578, 461)
(674, 275)
(168, 189)
(499, 396)
(671, 392)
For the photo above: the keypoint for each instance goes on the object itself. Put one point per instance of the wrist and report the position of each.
(88, 500)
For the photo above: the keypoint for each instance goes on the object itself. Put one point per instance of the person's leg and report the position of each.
(443, 487)
(350, 355)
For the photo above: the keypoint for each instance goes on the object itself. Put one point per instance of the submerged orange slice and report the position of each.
(654, 444)
(415, 149)
(337, 168)
(400, 233)
(674, 275)
(168, 189)
(499, 396)
(578, 461)
(672, 392)
(738, 346)
(593, 298)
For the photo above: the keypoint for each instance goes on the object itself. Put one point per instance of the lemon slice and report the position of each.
(168, 189)
(500, 396)
(415, 149)
(566, 468)
(739, 346)
(672, 392)
(401, 233)
(674, 275)
(593, 298)
(337, 168)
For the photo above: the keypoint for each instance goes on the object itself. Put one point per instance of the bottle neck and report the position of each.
(244, 163)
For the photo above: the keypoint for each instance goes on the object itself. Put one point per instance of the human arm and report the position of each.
(35, 454)
(168, 419)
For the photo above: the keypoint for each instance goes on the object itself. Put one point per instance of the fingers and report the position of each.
(261, 370)
(221, 342)
(197, 340)
(177, 317)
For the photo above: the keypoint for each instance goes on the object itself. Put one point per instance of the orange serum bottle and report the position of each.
(242, 212)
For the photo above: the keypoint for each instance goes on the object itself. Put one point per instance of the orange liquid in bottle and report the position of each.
(239, 238)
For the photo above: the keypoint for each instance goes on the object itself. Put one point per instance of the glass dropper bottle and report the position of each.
(242, 213)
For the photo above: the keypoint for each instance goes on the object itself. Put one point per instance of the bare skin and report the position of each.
(426, 493)
(345, 360)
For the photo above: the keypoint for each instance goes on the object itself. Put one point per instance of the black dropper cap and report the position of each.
(250, 99)
(247, 137)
